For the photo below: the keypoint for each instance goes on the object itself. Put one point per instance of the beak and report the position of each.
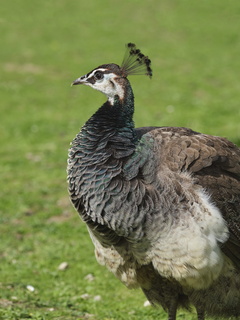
(81, 80)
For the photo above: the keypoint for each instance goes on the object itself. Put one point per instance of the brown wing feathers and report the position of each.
(214, 162)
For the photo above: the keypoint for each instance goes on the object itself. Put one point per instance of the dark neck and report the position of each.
(111, 128)
(117, 115)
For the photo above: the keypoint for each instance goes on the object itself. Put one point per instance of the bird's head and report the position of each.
(111, 79)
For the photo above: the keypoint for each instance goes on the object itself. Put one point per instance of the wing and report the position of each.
(214, 163)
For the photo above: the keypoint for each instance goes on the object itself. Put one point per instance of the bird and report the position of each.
(161, 204)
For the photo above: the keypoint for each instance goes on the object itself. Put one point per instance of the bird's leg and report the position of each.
(172, 311)
(200, 314)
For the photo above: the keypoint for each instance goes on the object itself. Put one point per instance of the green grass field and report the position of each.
(194, 47)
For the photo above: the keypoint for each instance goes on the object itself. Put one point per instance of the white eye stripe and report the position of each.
(91, 74)
(106, 82)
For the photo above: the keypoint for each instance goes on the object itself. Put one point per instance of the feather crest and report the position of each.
(135, 62)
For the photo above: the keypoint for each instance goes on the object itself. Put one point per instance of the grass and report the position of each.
(45, 45)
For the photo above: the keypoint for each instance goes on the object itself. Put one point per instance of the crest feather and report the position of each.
(135, 62)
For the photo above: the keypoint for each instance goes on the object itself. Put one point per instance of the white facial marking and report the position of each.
(107, 85)
(94, 71)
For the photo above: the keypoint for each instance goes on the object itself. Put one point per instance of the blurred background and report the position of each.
(45, 45)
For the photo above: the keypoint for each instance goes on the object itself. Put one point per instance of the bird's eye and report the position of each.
(98, 75)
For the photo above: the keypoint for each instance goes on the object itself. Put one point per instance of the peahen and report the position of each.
(162, 204)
